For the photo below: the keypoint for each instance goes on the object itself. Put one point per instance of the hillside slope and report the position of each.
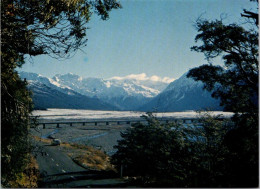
(182, 94)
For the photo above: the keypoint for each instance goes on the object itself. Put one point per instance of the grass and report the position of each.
(29, 177)
(91, 158)
(47, 141)
(86, 156)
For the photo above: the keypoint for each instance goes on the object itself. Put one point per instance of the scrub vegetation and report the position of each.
(212, 154)
(54, 28)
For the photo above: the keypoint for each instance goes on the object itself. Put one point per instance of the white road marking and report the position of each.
(72, 177)
(63, 171)
(52, 159)
(57, 164)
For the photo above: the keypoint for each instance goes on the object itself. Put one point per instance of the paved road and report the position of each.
(58, 170)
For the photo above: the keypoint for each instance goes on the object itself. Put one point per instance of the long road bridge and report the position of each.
(99, 122)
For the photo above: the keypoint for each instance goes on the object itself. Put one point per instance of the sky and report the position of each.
(146, 38)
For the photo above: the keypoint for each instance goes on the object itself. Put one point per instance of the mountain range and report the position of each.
(183, 94)
(72, 91)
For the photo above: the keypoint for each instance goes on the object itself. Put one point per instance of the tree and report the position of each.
(147, 151)
(49, 27)
(35, 27)
(207, 163)
(174, 155)
(251, 15)
(236, 84)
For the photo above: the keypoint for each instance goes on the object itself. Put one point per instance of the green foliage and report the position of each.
(16, 106)
(56, 28)
(35, 27)
(243, 144)
(146, 151)
(208, 151)
(174, 155)
(236, 84)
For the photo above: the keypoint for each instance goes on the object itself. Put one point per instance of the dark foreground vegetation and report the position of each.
(34, 27)
(177, 155)
(212, 155)
(157, 155)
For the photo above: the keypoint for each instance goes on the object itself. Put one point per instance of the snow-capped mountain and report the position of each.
(48, 97)
(183, 94)
(125, 94)
(48, 94)
(128, 93)
(33, 77)
(106, 88)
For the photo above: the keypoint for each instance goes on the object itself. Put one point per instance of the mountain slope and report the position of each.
(47, 97)
(127, 94)
(73, 91)
(47, 94)
(181, 95)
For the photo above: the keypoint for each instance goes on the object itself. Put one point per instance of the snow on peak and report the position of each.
(131, 85)
(80, 79)
(108, 84)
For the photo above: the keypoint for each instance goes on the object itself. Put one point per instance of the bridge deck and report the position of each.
(120, 121)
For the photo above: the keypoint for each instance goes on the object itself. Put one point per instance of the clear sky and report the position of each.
(145, 36)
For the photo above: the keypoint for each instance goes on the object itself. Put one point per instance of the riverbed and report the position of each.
(103, 137)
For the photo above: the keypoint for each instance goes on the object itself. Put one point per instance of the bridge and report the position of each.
(99, 122)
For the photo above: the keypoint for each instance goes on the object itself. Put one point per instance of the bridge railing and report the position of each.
(117, 122)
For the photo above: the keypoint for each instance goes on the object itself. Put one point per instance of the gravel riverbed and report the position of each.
(102, 137)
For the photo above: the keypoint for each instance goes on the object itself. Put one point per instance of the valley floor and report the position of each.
(102, 137)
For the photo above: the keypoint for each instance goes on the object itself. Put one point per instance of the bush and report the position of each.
(148, 150)
(174, 155)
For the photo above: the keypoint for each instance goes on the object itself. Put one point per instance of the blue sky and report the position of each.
(145, 36)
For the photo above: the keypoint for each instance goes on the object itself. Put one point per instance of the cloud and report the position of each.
(144, 77)
(141, 77)
(167, 80)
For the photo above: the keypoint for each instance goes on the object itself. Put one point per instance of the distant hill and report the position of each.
(127, 94)
(181, 95)
(73, 91)
(47, 95)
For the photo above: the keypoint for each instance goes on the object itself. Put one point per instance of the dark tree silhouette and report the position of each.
(174, 155)
(236, 84)
(35, 27)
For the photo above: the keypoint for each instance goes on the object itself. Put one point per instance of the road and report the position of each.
(58, 170)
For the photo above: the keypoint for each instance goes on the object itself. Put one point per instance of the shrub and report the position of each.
(174, 155)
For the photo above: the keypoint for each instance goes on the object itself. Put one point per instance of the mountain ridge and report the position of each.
(124, 94)
(183, 94)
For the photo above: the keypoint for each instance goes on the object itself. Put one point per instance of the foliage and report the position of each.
(174, 155)
(236, 84)
(243, 144)
(35, 27)
(29, 178)
(16, 106)
(208, 151)
(49, 27)
(146, 151)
